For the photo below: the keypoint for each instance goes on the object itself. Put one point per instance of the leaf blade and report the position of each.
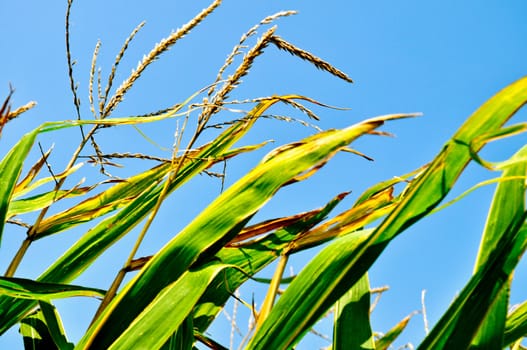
(204, 235)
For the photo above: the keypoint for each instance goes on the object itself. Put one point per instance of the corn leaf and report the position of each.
(507, 207)
(387, 184)
(32, 173)
(95, 241)
(23, 187)
(43, 329)
(103, 235)
(506, 215)
(352, 329)
(302, 294)
(29, 289)
(11, 165)
(183, 338)
(253, 255)
(116, 197)
(272, 290)
(358, 216)
(37, 202)
(218, 224)
(164, 315)
(35, 333)
(250, 259)
(516, 326)
(120, 194)
(384, 342)
(54, 324)
(458, 326)
(304, 305)
(10, 169)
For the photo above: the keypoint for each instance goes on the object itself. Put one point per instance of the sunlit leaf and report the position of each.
(384, 342)
(302, 295)
(507, 208)
(218, 224)
(250, 259)
(516, 326)
(110, 230)
(23, 188)
(29, 289)
(422, 196)
(164, 315)
(10, 169)
(352, 329)
(43, 330)
(40, 201)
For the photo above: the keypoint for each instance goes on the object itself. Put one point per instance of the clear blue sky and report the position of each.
(443, 59)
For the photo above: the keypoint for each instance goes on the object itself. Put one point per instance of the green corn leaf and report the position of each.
(35, 333)
(116, 197)
(218, 224)
(254, 255)
(384, 342)
(507, 209)
(40, 201)
(54, 324)
(508, 205)
(29, 289)
(458, 326)
(10, 169)
(106, 233)
(251, 258)
(506, 216)
(164, 315)
(421, 197)
(98, 239)
(516, 325)
(11, 165)
(43, 330)
(352, 329)
(183, 338)
(24, 187)
(79, 257)
(302, 295)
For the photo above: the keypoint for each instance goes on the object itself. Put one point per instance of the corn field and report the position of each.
(170, 299)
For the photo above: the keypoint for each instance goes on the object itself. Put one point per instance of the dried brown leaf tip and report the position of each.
(6, 115)
(318, 62)
(4, 111)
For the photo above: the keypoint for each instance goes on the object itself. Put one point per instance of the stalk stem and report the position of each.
(272, 291)
(18, 258)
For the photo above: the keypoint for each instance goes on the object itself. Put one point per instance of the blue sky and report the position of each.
(442, 59)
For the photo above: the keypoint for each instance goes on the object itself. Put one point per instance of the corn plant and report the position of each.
(172, 297)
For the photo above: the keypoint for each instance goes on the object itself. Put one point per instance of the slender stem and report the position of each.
(110, 294)
(18, 258)
(76, 100)
(272, 291)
